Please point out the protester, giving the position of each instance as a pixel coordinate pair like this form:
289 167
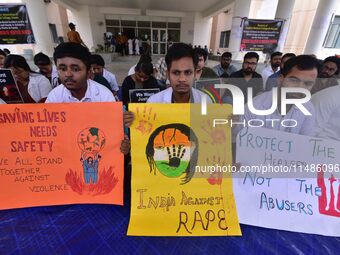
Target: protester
225 68
275 61
46 68
327 77
203 72
33 87
143 58
141 79
272 80
247 77
98 68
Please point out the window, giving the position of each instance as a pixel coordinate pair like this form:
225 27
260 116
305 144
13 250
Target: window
332 39
224 39
54 34
113 22
128 23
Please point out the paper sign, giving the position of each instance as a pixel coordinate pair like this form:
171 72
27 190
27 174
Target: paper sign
55 154
9 91
172 194
300 194
141 95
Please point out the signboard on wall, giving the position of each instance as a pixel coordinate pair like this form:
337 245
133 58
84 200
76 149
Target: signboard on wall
260 35
15 26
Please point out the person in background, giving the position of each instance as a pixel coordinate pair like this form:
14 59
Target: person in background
275 61
141 79
225 68
143 58
98 68
7 51
327 76
46 68
73 35
203 72
33 87
272 80
2 58
247 77
136 46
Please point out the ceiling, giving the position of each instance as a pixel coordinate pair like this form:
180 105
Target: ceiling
166 5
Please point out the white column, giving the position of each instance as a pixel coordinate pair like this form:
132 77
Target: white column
284 11
241 9
39 22
320 25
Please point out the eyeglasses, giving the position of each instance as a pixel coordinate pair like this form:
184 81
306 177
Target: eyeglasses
250 63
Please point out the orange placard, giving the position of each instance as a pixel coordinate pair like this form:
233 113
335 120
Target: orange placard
54 154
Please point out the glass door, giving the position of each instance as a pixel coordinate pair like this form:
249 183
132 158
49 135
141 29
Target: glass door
159 41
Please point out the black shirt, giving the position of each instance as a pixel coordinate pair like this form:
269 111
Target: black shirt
256 82
129 83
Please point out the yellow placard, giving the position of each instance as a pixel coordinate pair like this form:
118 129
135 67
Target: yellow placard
173 193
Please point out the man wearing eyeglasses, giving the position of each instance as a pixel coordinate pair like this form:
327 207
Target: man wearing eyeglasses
247 77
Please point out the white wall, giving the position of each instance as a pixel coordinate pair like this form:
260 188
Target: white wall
187 28
202 30
263 9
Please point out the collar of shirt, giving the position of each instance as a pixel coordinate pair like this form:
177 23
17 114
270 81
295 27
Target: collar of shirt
90 93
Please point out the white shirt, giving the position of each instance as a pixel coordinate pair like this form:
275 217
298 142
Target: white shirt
2 101
268 71
38 86
327 112
54 76
132 70
95 93
305 124
111 78
165 96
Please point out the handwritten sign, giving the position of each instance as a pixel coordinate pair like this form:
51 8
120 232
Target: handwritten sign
141 95
53 154
288 182
9 91
172 194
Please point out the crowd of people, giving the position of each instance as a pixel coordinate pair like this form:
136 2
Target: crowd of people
79 76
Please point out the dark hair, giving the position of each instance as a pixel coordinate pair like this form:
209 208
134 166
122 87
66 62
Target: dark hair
178 51
201 52
41 59
97 60
187 131
144 67
335 60
71 25
275 54
73 50
288 55
145 58
17 61
3 53
7 51
227 55
251 55
302 62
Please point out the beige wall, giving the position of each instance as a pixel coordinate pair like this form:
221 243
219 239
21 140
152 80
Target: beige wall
300 25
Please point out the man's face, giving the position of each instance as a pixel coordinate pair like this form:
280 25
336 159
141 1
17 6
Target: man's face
97 69
45 69
298 79
249 65
225 62
182 75
328 69
201 63
275 62
72 73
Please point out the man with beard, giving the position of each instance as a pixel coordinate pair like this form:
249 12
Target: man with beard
275 61
298 72
225 68
203 72
326 79
247 77
272 80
